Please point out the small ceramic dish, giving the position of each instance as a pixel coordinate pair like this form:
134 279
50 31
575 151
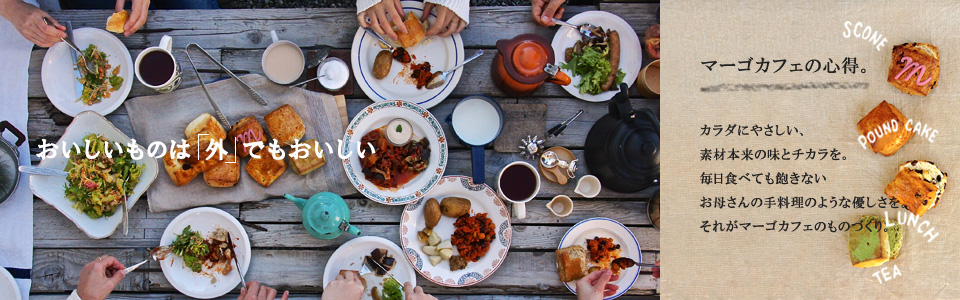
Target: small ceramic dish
51 188
588 186
560 206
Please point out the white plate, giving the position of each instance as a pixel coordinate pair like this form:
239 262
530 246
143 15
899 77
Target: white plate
424 125
442 53
50 188
482 200
8 286
204 220
350 257
631 58
59 82
603 227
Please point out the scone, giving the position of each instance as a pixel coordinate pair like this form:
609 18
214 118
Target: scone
869 245
205 125
915 68
917 186
306 164
117 20
285 125
181 172
571 263
224 174
247 130
415 32
266 169
877 125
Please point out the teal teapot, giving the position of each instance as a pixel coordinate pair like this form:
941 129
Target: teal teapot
325 215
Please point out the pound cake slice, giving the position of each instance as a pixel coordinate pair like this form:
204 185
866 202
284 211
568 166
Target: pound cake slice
869 245
879 119
918 186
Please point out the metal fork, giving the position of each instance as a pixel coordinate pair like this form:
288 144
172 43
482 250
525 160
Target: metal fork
126 212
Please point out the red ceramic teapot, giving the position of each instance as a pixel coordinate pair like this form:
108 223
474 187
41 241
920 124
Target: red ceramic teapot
523 63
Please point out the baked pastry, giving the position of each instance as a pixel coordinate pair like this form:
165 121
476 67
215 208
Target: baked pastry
205 124
285 125
869 245
895 239
247 130
117 20
415 32
571 263
914 59
226 173
306 164
265 169
878 124
180 171
917 186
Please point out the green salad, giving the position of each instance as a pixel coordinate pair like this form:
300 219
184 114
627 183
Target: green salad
191 247
391 290
96 185
99 84
593 67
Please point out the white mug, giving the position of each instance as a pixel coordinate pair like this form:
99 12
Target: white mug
166 46
281 67
519 205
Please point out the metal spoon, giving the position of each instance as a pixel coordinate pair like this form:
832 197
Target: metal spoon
90 66
550 161
441 78
377 35
308 80
585 29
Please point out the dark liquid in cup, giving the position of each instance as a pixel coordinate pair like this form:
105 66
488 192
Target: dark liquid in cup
156 68
518 182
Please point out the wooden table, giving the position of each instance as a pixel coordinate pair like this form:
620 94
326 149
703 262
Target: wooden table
286 256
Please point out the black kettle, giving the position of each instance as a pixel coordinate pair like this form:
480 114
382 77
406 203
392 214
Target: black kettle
623 147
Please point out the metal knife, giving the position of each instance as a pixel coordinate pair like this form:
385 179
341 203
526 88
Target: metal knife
235 259
73 56
134 267
364 269
315 61
556 130
256 96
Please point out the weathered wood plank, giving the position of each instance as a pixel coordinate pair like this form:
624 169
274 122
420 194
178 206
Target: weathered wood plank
209 71
525 273
365 211
476 77
232 296
540 231
46 122
638 15
250 28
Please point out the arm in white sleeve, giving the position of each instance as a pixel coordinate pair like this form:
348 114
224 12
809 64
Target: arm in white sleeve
74 296
459 7
363 5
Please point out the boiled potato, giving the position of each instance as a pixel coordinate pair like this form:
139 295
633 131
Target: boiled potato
434 259
454 207
431 213
382 64
430 250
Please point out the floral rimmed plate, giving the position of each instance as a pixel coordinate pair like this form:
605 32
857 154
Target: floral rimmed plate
482 200
424 124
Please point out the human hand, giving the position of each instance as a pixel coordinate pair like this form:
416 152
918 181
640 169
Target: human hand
416 293
343 287
656 271
99 277
378 15
544 10
28 20
447 22
138 15
255 291
596 286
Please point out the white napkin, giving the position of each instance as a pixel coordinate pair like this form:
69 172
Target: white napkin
16 238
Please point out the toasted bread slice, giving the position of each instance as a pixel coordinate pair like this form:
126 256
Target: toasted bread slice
571 263
915 68
117 20
415 32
